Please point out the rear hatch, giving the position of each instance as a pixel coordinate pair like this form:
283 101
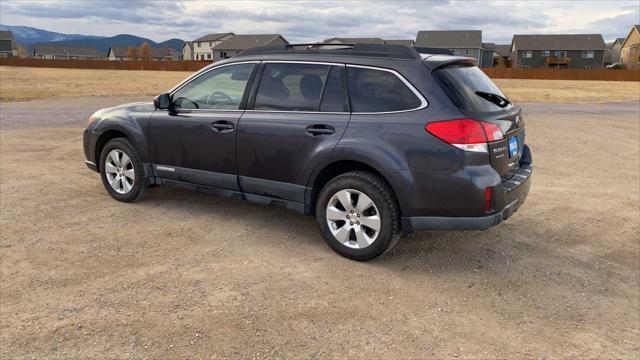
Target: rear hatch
479 98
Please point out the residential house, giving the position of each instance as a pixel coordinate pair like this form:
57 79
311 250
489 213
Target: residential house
118 53
164 54
612 52
187 50
488 52
338 40
459 42
239 43
502 56
495 55
66 52
567 51
203 46
156 54
6 44
630 49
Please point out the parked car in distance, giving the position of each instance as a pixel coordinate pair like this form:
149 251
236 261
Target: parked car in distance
375 141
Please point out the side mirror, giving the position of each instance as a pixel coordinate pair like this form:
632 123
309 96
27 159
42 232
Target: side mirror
162 102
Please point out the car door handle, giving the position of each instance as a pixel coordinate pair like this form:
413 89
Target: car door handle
222 126
320 130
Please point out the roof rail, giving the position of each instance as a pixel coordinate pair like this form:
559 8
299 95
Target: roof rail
367 50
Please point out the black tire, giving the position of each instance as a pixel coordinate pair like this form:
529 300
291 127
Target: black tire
384 199
140 182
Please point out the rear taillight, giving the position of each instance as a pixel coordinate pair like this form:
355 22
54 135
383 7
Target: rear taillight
465 134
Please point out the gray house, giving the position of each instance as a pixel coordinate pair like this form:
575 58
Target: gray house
66 52
488 52
239 43
202 47
459 42
495 55
570 51
6 44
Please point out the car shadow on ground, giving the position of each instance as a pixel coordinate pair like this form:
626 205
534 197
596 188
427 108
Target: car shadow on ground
431 251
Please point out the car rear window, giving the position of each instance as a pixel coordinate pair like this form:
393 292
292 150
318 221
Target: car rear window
470 89
372 90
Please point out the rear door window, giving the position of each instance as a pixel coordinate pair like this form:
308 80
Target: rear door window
291 87
470 89
372 90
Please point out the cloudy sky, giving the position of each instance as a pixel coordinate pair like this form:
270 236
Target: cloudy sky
301 21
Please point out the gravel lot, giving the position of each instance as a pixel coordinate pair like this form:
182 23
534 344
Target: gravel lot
188 275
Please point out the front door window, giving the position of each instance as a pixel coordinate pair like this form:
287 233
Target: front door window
220 89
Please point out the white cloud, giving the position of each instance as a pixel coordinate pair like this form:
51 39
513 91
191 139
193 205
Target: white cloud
301 21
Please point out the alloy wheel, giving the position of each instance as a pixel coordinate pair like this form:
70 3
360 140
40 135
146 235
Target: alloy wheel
353 218
119 171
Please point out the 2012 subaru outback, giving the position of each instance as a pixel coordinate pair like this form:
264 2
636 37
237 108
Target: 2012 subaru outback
375 141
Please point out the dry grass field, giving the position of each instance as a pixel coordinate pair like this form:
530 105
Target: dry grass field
23 83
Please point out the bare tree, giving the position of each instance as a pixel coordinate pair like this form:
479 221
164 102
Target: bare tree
132 54
144 51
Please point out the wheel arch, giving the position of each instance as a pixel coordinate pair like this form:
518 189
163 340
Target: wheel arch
329 171
107 136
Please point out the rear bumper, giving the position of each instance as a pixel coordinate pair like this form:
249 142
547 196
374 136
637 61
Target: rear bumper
511 193
411 224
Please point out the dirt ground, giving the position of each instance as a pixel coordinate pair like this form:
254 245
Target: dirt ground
24 83
187 275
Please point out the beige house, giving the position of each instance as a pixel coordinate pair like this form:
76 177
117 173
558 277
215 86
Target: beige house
187 50
202 47
630 50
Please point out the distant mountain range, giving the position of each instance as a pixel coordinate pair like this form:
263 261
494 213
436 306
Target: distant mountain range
28 37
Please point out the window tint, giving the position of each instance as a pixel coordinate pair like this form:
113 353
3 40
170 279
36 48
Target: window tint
291 87
463 83
378 91
217 89
334 98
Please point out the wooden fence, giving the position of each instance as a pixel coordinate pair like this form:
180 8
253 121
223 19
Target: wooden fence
563 74
499 73
108 64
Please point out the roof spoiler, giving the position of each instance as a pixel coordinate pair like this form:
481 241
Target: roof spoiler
435 62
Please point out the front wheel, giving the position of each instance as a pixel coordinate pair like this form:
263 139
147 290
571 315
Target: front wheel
358 215
121 171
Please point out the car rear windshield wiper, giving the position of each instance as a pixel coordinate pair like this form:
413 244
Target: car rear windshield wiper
494 98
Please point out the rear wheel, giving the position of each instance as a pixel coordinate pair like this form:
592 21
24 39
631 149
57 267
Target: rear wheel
121 171
358 215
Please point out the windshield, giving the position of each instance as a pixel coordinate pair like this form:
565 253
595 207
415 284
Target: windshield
470 89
